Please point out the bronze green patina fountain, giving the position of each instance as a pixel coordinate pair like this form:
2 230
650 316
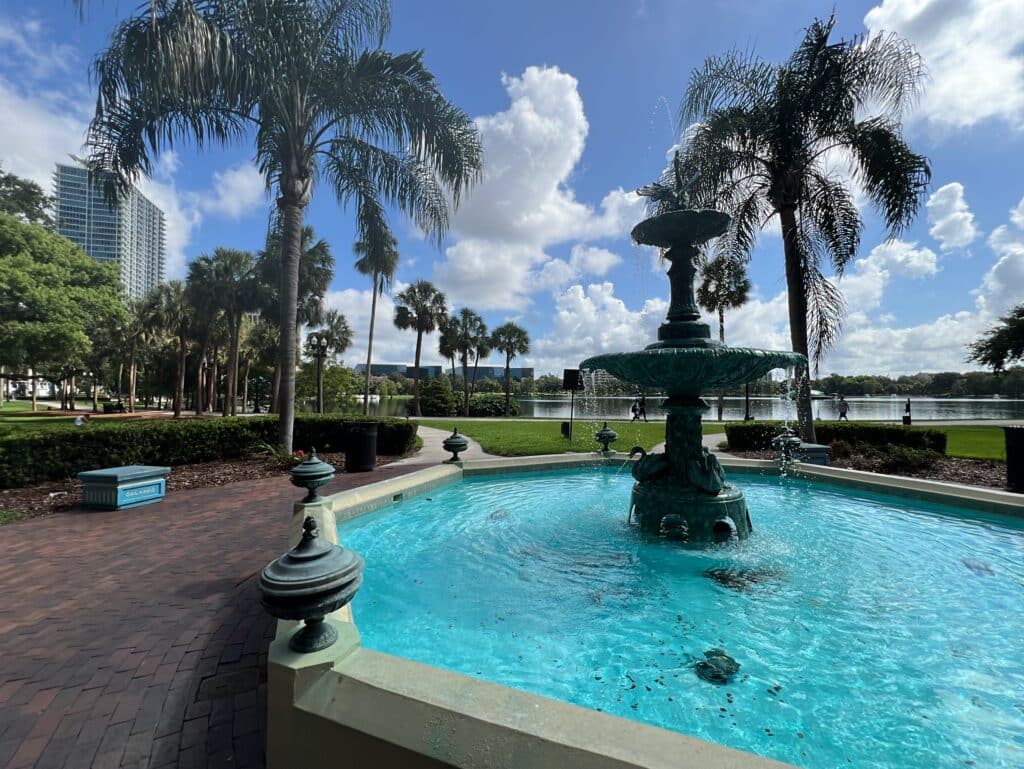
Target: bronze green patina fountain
683 492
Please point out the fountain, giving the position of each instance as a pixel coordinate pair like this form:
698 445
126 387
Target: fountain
683 492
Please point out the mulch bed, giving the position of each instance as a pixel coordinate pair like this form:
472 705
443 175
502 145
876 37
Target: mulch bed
972 472
55 496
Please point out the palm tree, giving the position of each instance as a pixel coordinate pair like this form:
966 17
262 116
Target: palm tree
316 270
420 307
206 314
764 136
169 306
325 101
378 258
335 337
470 332
235 290
261 344
725 286
447 341
136 332
512 340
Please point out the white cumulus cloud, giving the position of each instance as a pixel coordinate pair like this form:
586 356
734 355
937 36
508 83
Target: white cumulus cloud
951 220
974 51
236 192
524 203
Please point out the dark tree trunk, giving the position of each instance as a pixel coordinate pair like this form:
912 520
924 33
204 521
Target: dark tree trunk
416 376
211 385
369 350
245 386
465 384
179 377
200 390
797 319
291 236
230 406
721 338
132 376
508 385
275 389
71 393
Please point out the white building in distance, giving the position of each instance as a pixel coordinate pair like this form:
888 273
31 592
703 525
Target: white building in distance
131 234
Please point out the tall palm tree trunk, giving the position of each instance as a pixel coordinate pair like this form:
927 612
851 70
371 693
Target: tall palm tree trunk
465 384
132 376
120 377
453 372
416 376
369 348
95 395
236 332
200 381
291 236
211 384
721 338
245 386
71 393
179 378
35 388
797 319
476 365
275 390
508 385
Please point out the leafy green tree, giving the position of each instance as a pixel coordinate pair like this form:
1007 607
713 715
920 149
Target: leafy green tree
761 147
1003 343
325 100
447 341
420 307
437 398
206 324
548 384
53 300
335 336
378 258
724 286
511 340
341 385
25 200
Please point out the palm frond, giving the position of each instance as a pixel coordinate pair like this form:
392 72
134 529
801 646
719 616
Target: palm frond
829 208
737 79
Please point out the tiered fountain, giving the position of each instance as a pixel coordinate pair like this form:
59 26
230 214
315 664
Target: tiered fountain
683 492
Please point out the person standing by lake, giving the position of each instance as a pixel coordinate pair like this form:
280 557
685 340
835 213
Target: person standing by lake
844 409
643 407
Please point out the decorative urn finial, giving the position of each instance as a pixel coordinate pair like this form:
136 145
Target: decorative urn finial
605 436
311 474
455 443
308 582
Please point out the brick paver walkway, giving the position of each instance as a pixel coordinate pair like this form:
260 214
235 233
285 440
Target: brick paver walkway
135 638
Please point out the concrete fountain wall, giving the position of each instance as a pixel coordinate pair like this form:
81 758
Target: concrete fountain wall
351 705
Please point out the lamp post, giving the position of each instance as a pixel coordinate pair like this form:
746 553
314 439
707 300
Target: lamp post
318 346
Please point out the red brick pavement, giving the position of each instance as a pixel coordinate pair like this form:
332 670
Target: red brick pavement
135 638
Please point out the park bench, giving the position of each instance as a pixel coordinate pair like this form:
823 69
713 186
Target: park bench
118 488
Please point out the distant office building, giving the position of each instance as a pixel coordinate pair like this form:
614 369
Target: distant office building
516 374
130 234
387 369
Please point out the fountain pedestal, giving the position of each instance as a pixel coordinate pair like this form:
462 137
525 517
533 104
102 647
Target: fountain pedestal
683 493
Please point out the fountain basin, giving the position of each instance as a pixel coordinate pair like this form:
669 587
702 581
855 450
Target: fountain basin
690 371
681 228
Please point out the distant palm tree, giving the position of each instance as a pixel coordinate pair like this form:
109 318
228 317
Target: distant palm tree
420 307
760 148
169 306
378 258
447 341
512 340
136 333
325 102
470 337
724 286
236 291
338 337
206 316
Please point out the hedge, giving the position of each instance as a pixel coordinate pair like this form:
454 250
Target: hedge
755 436
28 457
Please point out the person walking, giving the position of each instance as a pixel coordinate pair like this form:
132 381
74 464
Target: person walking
635 410
643 407
844 409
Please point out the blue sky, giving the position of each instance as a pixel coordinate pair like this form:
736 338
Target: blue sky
576 103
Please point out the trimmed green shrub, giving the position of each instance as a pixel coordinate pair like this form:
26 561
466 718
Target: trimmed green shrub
755 436
488 405
436 398
28 457
841 450
902 459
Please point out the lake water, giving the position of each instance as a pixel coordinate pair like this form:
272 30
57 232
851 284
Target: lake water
861 409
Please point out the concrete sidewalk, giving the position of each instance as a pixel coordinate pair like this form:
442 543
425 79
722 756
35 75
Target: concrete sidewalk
433 452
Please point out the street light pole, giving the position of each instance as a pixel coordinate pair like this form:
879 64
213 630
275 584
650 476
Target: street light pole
318 345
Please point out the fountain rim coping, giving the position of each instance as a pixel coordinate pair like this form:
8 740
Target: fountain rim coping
482 712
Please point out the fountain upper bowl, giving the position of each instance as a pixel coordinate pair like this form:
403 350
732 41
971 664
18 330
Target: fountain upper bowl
681 228
690 371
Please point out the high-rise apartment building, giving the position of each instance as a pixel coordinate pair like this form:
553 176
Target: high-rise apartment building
131 233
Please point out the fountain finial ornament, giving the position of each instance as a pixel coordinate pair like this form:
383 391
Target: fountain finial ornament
687 481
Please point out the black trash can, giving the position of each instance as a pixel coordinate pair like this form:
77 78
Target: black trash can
1015 457
360 446
906 419
566 429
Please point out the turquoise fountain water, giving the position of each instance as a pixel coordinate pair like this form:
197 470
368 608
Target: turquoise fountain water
870 631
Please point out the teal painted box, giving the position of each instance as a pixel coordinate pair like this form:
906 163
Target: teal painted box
119 488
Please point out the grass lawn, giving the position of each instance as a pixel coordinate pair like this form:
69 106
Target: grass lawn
517 438
975 441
